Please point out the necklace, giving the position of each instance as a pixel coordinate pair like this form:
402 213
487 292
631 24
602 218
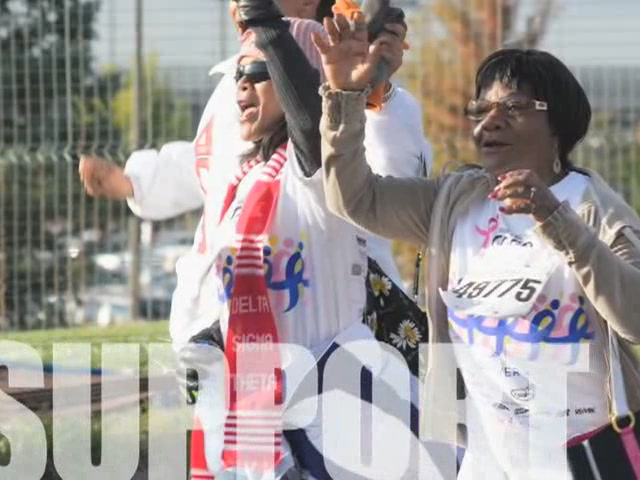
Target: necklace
389 95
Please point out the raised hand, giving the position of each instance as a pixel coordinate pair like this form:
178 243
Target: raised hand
102 178
348 60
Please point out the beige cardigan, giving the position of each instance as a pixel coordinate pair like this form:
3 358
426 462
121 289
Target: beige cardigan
599 242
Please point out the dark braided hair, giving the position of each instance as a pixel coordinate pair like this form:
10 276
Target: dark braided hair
550 81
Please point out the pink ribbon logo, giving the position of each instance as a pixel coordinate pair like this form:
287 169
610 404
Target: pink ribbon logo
493 226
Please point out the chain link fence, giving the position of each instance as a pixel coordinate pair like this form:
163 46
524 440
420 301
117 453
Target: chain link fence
68 85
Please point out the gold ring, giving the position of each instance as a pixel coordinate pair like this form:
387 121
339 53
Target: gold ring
617 428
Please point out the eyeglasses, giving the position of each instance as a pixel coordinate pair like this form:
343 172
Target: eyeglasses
477 110
254 72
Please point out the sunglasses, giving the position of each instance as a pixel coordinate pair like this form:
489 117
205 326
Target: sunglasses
478 110
254 72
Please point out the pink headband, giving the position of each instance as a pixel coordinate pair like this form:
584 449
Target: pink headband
301 30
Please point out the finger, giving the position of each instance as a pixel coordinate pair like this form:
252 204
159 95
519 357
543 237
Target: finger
375 49
89 189
382 47
392 44
87 167
82 165
518 191
359 22
343 27
374 55
332 31
321 44
360 27
396 29
517 178
387 53
513 207
388 38
382 41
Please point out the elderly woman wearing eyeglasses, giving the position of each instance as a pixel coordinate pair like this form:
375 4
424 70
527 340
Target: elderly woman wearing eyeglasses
532 264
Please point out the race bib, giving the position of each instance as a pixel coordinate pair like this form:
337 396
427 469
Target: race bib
504 282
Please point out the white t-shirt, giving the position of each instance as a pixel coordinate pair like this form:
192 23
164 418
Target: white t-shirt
513 366
315 265
395 146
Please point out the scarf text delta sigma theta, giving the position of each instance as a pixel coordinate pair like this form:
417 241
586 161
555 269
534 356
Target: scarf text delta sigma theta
253 428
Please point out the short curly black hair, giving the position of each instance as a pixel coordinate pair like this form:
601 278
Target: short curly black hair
550 81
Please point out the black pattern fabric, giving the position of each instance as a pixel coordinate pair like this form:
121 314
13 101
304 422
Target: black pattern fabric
603 455
393 317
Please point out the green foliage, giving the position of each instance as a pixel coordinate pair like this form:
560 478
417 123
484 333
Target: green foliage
42 42
55 105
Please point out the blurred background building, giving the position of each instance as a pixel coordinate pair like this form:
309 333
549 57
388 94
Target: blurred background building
68 85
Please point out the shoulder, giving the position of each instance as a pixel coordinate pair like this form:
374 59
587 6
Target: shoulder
403 102
401 113
406 98
605 208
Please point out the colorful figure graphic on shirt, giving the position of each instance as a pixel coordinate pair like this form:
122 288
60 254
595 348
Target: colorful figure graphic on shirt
285 273
551 322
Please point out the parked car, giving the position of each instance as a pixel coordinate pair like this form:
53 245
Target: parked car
109 302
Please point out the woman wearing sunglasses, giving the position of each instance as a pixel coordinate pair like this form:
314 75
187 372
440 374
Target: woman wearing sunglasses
532 267
283 270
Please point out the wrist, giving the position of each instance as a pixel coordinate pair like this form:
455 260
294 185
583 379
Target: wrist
339 87
127 187
543 212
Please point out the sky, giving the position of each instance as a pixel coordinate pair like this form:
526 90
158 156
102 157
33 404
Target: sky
596 32
181 32
196 33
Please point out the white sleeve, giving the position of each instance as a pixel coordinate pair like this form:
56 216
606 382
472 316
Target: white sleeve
395 140
165 183
425 151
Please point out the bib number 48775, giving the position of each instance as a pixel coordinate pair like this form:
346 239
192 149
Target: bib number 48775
521 289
